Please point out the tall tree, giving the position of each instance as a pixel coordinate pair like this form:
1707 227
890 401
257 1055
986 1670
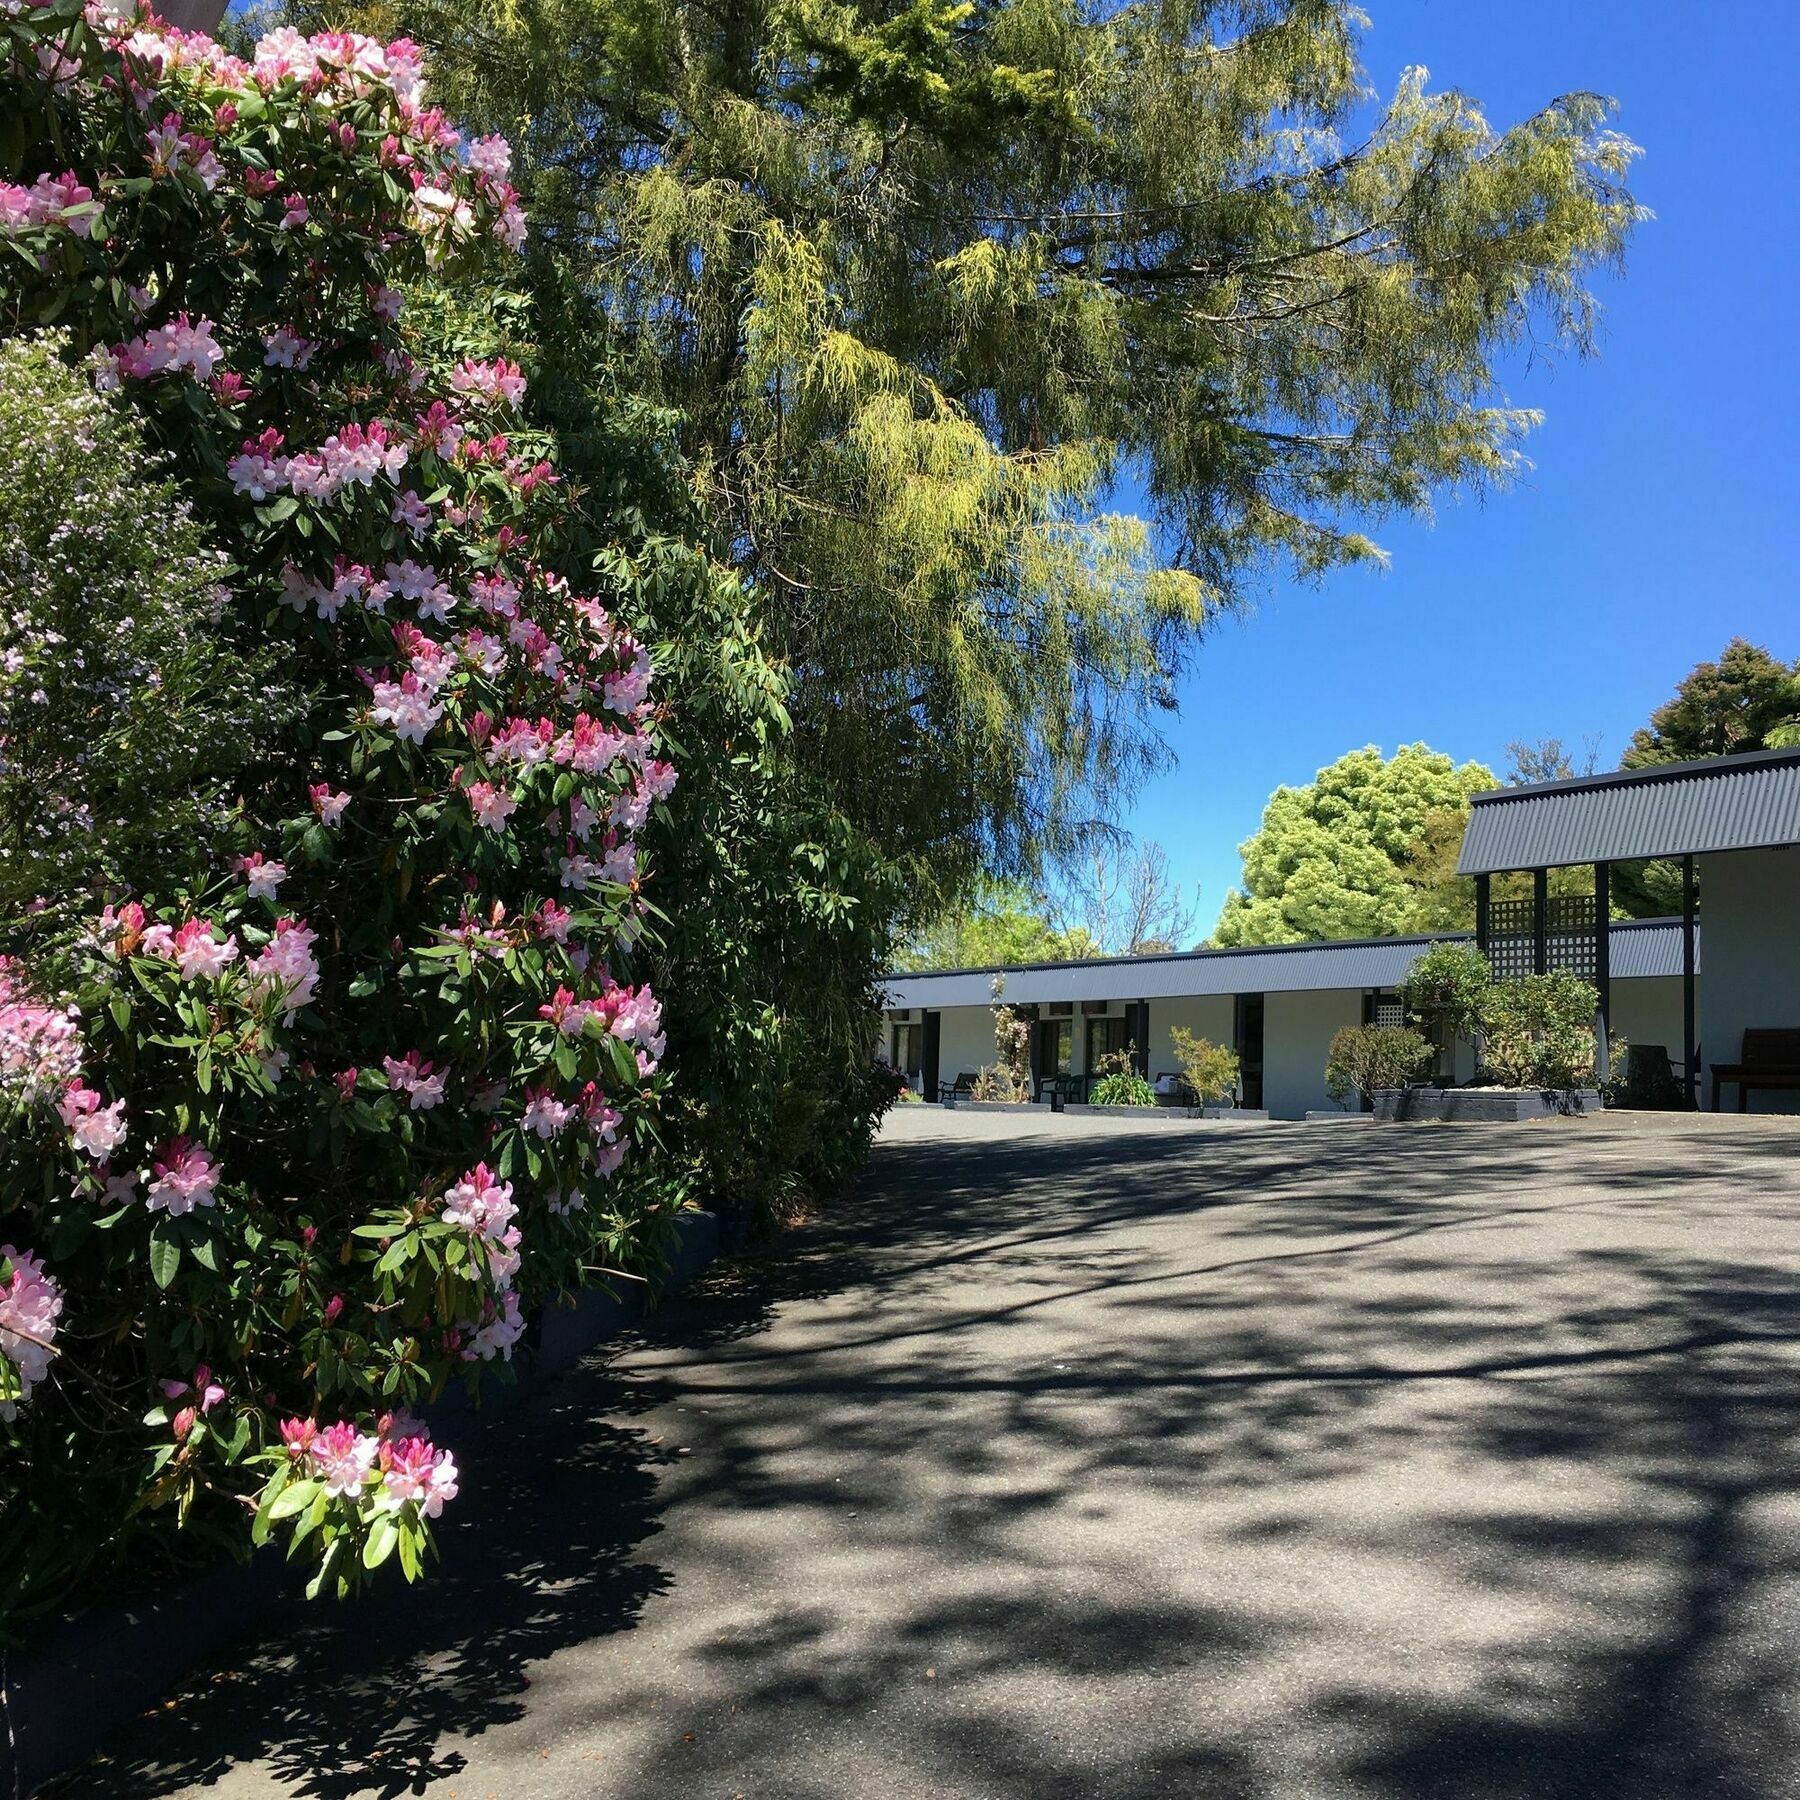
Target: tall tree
1364 850
1123 899
925 282
1002 923
1747 700
1531 760
1724 708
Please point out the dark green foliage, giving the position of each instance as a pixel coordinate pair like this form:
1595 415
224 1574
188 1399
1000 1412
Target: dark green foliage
1364 1058
1538 1032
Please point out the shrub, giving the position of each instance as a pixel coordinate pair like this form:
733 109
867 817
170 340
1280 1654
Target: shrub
1124 1087
1538 1032
1210 1070
330 1100
124 715
1443 991
1364 1058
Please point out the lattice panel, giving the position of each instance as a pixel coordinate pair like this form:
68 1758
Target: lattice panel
1569 939
1512 939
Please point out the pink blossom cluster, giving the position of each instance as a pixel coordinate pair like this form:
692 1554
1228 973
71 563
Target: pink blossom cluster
51 200
484 1207
178 345
173 152
422 1082
499 381
286 968
30 1304
40 1046
184 1175
96 1128
382 1470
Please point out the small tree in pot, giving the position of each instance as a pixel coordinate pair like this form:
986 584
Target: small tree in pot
1538 1032
1443 992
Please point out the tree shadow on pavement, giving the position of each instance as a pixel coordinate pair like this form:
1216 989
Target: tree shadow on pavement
1420 1463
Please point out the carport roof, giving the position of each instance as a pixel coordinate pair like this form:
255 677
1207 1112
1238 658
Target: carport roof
1639 948
1749 802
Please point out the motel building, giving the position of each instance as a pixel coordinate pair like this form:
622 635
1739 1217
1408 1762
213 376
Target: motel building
1731 825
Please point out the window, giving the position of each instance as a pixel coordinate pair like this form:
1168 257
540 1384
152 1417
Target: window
1104 1038
1055 1046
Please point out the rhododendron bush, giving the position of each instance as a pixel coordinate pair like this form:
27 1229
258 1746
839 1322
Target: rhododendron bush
302 1120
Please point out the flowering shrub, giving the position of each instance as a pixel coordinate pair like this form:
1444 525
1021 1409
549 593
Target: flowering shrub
124 715
308 1119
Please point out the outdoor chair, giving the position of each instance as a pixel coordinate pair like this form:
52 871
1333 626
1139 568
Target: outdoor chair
964 1085
1049 1086
1769 1059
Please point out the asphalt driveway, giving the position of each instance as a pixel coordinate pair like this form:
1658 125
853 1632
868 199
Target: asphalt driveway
1080 1458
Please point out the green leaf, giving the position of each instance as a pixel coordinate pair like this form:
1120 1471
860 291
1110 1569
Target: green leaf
292 1497
378 1546
165 1259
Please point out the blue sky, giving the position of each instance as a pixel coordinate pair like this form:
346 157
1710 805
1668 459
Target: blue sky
1660 517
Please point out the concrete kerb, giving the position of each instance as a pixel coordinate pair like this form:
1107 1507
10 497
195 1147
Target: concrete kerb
93 1670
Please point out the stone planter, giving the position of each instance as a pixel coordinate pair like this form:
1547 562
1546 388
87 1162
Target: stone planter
1473 1106
1170 1114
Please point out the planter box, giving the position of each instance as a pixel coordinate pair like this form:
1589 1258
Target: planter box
1470 1106
1171 1114
1337 1116
1005 1106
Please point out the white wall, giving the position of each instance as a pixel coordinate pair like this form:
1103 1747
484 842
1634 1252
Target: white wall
1297 1032
967 1041
1206 1015
1750 939
1648 1011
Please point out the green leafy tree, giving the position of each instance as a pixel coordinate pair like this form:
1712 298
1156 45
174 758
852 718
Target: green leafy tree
1721 708
999 926
924 283
1747 700
1335 858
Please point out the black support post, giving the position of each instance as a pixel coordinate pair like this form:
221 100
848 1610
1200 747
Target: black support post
1484 888
1689 1047
1540 921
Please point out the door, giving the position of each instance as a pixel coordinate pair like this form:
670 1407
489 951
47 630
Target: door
928 1059
1249 1033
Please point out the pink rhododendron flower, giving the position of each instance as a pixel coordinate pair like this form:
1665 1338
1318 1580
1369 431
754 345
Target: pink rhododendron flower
329 806
199 955
98 1130
295 212
285 349
40 1046
480 1202
419 1080
341 1458
408 705
286 968
544 1113
259 469
497 380
202 1385
492 806
185 1177
412 1469
262 876
30 1304
551 922
299 1436
501 1326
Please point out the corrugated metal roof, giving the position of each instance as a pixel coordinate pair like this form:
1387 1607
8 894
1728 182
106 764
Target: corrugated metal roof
1747 802
1649 947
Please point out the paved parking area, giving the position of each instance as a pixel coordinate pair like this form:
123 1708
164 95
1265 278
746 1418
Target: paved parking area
1078 1457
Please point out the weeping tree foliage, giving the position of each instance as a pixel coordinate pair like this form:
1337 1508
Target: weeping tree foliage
930 284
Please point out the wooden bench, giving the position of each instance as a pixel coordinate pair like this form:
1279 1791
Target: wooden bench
964 1084
1069 1086
1770 1059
